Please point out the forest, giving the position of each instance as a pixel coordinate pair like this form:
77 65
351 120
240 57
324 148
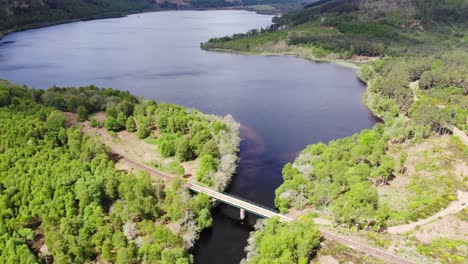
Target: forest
18 15
413 56
63 200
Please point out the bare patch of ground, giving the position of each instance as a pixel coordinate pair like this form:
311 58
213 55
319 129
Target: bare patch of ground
295 214
449 226
129 144
332 252
326 260
190 170
124 165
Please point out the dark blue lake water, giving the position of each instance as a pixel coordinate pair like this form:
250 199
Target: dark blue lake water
283 103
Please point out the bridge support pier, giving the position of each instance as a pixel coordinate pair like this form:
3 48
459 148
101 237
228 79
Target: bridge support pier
242 214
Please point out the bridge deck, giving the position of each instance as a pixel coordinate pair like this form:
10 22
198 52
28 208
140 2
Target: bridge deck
225 198
239 203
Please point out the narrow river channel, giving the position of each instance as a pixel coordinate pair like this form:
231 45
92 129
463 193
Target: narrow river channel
283 103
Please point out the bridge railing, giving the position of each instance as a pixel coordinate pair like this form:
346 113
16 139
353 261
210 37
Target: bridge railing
250 202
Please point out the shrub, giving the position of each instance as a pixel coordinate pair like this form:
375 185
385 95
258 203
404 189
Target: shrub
130 124
112 124
94 123
82 113
55 121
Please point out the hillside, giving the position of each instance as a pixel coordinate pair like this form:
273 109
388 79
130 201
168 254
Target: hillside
359 27
413 55
24 14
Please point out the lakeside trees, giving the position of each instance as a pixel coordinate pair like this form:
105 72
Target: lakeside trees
348 28
185 134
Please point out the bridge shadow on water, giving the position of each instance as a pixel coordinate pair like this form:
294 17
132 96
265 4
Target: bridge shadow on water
226 231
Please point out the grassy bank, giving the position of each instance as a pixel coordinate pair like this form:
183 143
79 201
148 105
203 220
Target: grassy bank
296 52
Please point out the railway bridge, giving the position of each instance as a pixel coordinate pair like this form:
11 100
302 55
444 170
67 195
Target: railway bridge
261 211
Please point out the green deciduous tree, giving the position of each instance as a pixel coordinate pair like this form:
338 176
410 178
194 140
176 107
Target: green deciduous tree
143 127
82 113
184 151
167 145
357 206
209 148
208 164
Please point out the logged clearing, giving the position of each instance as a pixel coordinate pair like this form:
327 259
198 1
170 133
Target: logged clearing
120 142
431 175
127 143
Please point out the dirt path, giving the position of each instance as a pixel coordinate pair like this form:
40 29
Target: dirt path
414 87
453 208
296 214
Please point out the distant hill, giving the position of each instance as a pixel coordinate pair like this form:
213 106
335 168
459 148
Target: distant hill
392 12
24 14
363 27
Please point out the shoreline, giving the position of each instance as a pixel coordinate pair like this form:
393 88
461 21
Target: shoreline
110 15
345 63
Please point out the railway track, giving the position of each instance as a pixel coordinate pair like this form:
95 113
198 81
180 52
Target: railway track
364 248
